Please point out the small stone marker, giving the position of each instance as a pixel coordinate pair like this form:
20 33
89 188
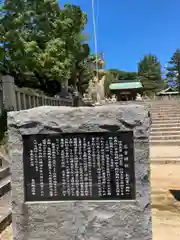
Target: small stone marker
80 173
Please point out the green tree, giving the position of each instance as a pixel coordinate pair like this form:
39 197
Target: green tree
174 69
108 80
116 73
40 42
149 72
82 72
131 76
123 75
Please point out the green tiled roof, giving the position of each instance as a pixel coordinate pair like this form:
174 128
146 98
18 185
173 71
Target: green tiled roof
168 91
125 85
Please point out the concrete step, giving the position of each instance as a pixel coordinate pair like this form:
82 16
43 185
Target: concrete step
165 158
168 159
165 125
163 102
5 185
168 114
155 102
167 110
163 115
161 142
4 172
165 118
165 133
167 128
166 121
165 162
164 110
167 138
5 211
162 107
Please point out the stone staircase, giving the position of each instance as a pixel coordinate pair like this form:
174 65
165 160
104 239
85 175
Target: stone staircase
165 129
5 194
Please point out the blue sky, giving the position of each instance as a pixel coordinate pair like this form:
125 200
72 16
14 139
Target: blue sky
129 29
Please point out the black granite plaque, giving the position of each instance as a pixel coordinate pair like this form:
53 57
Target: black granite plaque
79 166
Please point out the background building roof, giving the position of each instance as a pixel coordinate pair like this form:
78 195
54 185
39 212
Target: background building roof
125 85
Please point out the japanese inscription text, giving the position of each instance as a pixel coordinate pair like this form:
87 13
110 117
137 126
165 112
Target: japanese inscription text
79 166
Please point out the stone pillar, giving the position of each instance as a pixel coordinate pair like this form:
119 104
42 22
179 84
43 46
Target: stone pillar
120 211
9 95
64 88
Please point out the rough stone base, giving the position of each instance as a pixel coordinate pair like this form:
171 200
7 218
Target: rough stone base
115 220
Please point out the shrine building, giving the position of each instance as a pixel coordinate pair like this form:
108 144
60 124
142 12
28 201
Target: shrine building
126 90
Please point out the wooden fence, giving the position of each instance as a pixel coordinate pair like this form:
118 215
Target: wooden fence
12 97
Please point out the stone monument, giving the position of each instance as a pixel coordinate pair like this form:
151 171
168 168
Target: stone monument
80 173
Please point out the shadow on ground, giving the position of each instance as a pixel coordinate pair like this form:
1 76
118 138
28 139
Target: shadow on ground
176 194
